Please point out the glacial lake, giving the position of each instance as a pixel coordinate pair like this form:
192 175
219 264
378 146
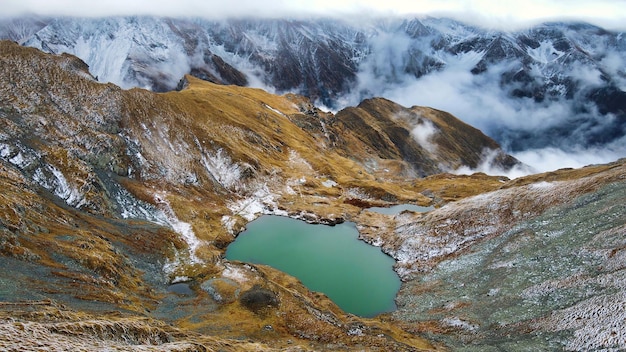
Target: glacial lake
358 277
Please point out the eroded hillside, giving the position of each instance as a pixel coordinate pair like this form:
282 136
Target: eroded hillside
110 196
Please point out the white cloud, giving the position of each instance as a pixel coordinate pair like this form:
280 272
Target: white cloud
494 13
615 64
586 75
480 101
424 133
546 159
489 166
549 159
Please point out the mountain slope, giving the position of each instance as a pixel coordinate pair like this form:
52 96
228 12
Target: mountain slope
428 139
137 51
534 265
553 281
117 206
555 85
111 195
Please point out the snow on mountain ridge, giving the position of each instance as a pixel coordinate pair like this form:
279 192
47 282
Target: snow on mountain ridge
117 49
566 77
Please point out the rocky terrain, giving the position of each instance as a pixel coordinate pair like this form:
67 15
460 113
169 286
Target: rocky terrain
117 207
533 265
553 85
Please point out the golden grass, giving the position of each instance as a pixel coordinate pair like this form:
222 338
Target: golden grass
450 187
275 142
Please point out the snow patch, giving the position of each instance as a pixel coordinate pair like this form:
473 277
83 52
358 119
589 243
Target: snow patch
326 134
355 331
221 167
274 110
357 193
178 279
18 160
297 161
260 202
235 274
5 151
18 155
377 242
133 208
46 175
289 190
52 179
329 183
229 223
493 291
459 323
545 53
182 228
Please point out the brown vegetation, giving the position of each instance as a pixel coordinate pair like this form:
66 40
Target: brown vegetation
191 168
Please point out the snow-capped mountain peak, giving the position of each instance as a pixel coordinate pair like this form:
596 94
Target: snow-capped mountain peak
554 85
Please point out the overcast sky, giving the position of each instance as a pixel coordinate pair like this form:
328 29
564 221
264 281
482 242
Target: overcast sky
610 14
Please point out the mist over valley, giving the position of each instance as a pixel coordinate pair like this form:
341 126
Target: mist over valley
552 94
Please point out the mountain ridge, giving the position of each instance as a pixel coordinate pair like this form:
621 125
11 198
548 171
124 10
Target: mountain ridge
554 85
110 196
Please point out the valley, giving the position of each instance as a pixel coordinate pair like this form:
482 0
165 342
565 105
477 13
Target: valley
110 196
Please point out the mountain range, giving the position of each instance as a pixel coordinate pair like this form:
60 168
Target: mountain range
117 202
555 85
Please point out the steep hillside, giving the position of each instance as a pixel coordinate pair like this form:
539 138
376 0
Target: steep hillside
431 141
111 195
534 265
117 206
554 85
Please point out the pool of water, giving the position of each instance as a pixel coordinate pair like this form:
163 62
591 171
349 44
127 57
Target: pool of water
397 209
181 288
358 277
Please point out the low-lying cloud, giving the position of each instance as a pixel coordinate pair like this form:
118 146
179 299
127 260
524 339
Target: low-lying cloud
548 159
547 135
499 14
423 130
490 167
424 133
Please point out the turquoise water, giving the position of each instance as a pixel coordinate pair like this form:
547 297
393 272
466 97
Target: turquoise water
358 277
397 209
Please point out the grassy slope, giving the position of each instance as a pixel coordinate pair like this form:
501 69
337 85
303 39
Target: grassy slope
173 152
176 154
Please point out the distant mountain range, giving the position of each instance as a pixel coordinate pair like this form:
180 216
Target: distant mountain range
555 85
